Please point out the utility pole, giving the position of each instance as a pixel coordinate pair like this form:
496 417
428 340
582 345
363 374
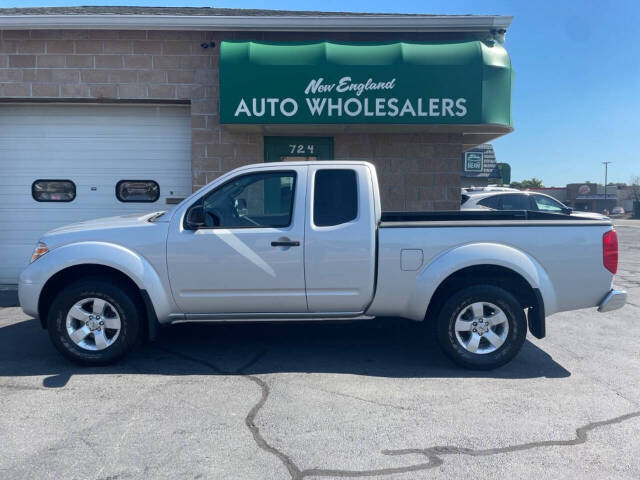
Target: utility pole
606 168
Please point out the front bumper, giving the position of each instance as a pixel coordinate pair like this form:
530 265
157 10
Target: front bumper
28 294
614 300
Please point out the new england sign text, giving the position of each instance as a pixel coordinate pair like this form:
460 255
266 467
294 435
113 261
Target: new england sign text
348 98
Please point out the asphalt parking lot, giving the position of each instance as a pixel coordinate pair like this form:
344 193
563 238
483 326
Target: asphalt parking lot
329 400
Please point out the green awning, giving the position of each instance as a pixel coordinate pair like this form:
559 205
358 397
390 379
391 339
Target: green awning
465 83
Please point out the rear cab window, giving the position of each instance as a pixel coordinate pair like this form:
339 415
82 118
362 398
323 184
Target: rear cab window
335 197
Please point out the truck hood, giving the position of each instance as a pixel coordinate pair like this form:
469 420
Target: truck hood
134 232
106 223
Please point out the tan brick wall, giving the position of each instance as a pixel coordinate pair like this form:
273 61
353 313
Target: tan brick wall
417 172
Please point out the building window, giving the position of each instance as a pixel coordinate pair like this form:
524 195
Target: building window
335 198
146 191
53 190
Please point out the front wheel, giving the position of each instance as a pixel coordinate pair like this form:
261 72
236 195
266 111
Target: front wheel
93 322
481 327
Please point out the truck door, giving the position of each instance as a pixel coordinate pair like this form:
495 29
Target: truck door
339 238
247 257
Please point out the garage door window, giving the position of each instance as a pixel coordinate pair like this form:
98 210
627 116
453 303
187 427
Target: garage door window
137 191
53 190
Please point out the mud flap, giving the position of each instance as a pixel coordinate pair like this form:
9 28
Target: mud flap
536 317
152 320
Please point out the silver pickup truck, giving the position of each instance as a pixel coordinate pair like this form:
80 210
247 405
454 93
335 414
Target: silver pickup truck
308 241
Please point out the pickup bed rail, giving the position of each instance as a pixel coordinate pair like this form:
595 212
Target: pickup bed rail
482 217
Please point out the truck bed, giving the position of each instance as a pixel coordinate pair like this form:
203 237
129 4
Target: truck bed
481 217
560 252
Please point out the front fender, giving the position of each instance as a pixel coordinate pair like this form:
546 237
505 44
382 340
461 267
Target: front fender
127 261
474 254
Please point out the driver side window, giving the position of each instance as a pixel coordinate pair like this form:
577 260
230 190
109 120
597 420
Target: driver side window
253 200
546 204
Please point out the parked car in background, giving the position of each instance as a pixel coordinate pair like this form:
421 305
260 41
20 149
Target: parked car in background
615 211
512 199
489 188
306 241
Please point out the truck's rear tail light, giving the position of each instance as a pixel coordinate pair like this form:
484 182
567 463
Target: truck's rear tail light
610 251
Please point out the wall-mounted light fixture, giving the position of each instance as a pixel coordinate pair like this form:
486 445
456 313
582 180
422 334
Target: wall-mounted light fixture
498 35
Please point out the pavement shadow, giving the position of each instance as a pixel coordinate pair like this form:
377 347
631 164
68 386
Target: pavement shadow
382 348
8 298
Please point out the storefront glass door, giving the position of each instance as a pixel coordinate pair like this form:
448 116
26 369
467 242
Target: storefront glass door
293 149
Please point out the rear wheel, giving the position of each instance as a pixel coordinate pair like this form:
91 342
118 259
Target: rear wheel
481 327
93 322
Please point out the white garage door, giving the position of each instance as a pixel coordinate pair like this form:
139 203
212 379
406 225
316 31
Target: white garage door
95 147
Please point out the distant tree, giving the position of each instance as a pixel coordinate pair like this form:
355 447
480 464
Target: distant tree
635 188
505 173
531 183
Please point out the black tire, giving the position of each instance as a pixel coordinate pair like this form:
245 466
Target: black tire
120 299
445 327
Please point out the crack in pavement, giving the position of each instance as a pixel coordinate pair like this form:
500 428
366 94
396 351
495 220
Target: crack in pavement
580 438
249 420
434 454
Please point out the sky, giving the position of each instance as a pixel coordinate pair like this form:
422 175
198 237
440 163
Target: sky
576 98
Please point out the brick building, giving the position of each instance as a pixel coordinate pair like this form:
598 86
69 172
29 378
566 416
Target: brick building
105 107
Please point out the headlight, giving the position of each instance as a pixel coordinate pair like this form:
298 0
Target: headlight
39 251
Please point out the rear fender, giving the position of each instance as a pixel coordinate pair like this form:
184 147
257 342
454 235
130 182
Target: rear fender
475 254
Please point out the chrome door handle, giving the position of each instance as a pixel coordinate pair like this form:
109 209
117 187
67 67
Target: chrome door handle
285 243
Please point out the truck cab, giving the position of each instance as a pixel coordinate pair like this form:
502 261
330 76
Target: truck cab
277 240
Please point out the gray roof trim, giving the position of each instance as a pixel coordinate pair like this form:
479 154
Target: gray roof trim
281 22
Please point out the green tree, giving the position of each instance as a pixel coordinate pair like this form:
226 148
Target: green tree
531 183
635 190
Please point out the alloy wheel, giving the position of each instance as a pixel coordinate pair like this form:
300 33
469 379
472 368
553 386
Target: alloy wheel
93 324
481 328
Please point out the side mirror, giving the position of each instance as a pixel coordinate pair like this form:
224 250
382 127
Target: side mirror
567 210
195 217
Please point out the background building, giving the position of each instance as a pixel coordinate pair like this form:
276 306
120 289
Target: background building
479 167
102 108
559 193
591 196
